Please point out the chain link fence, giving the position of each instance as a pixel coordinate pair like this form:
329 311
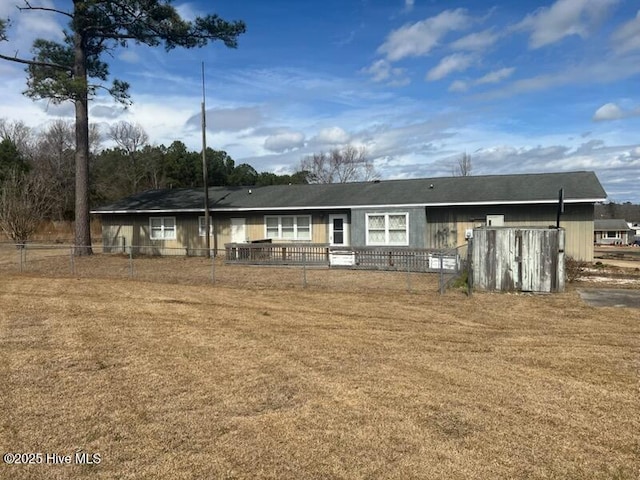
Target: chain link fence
175 265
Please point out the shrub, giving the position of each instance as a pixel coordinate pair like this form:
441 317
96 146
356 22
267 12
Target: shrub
573 269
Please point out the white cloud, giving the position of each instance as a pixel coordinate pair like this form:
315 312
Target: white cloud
609 111
627 37
564 18
40 24
284 141
229 119
106 111
63 109
187 11
399 81
476 41
165 118
8 7
459 86
606 71
458 62
382 71
26 26
420 38
496 76
408 5
331 136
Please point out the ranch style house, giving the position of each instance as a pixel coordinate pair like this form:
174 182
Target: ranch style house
612 231
413 213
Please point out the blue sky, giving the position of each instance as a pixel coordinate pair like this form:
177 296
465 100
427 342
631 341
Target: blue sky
521 86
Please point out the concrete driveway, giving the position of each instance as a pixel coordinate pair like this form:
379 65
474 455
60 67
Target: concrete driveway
611 297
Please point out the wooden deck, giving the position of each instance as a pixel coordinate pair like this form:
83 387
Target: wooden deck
367 258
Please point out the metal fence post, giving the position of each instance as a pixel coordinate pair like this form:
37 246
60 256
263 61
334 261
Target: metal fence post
304 270
470 267
72 261
130 261
441 273
408 256
22 256
213 268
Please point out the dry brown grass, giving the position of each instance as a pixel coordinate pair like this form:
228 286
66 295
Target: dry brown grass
179 381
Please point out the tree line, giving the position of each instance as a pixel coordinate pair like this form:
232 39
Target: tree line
37 170
132 165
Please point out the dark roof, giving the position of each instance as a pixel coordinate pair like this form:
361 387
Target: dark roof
440 191
611 224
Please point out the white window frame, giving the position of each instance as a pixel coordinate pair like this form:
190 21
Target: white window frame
608 234
387 230
171 231
201 227
296 230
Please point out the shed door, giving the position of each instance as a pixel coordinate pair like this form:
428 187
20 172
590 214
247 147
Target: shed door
238 230
338 230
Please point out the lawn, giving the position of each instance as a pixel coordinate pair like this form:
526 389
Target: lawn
180 381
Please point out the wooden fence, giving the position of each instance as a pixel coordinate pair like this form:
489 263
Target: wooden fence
366 258
277 253
524 259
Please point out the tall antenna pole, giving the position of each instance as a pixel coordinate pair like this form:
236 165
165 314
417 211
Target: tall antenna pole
205 174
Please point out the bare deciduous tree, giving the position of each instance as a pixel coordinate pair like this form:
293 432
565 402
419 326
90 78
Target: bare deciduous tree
20 134
131 138
53 156
25 201
350 164
464 167
128 136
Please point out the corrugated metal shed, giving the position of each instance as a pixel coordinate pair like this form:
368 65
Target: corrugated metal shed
518 259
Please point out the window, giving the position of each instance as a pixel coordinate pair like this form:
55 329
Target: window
201 226
288 227
387 229
162 228
611 234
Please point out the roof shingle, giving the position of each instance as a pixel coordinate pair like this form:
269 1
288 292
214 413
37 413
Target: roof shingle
489 189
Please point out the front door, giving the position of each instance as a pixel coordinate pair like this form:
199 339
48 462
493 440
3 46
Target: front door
338 230
238 230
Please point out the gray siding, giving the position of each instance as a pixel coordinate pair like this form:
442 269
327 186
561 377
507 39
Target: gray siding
417 224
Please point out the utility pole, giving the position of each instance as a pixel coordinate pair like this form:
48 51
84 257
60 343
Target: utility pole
205 174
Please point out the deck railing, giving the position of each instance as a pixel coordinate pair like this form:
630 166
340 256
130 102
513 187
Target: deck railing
277 253
366 258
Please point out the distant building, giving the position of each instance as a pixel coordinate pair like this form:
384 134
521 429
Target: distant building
612 232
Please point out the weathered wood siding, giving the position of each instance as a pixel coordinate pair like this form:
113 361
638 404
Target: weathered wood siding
133 230
256 229
508 259
446 226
